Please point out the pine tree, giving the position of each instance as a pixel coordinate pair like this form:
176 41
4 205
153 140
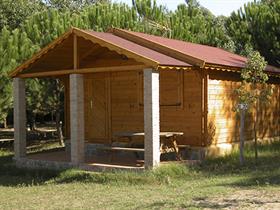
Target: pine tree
257 26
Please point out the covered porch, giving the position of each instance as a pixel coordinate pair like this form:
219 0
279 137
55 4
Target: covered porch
87 63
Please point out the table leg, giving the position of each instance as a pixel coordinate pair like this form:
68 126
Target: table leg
130 144
176 148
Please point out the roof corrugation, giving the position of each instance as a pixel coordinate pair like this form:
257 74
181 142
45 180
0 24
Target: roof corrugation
211 55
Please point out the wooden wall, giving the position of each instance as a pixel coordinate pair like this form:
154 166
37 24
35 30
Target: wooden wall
114 103
223 122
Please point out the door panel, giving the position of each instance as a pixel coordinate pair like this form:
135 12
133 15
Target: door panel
96 108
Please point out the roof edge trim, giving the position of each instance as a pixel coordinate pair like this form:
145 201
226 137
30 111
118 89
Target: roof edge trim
234 69
163 67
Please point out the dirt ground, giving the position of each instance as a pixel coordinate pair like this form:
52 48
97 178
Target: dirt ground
243 199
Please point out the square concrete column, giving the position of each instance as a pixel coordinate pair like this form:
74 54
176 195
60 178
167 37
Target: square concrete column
19 118
151 118
77 118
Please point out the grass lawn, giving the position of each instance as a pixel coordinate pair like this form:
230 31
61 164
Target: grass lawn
215 184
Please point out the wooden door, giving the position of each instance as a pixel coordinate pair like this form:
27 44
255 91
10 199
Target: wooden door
96 108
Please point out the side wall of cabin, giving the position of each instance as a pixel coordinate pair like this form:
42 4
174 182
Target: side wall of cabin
223 122
114 103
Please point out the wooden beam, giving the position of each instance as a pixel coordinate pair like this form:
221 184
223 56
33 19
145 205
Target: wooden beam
116 48
95 48
159 47
82 71
75 52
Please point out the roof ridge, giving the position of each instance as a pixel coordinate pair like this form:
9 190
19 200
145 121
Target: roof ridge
178 40
177 54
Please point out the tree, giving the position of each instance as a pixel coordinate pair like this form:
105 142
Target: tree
53 95
251 93
6 99
14 48
14 13
35 102
73 5
256 26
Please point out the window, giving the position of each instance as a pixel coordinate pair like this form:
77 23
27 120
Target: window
171 88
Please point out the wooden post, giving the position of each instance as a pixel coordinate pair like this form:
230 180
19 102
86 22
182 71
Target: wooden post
151 118
204 95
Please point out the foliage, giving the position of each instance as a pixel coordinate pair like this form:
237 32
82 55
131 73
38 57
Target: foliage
15 47
73 5
252 75
14 13
254 69
257 26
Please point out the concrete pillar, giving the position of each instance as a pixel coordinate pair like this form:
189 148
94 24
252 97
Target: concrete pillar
19 118
77 118
151 118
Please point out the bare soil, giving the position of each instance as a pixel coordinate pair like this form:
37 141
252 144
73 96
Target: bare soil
243 199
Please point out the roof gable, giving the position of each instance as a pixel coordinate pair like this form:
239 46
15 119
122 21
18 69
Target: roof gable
147 56
147 50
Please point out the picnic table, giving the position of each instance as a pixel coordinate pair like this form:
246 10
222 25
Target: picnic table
168 140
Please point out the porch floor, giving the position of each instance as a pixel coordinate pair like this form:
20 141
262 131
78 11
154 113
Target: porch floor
99 160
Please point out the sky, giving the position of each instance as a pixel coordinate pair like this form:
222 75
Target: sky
217 7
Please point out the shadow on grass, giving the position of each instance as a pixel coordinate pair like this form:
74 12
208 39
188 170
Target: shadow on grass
10 175
266 171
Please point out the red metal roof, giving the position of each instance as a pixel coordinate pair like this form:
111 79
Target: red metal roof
138 49
211 55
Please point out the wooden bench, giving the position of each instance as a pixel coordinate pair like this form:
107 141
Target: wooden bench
127 149
6 140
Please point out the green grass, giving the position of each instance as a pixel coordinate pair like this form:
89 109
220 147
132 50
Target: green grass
172 186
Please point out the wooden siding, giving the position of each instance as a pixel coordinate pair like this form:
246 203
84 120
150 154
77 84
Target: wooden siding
113 103
223 122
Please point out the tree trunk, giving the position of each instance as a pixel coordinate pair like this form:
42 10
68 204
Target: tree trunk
255 133
34 127
242 128
32 123
5 123
59 128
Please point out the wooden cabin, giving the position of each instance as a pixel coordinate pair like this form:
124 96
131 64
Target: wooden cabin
111 86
